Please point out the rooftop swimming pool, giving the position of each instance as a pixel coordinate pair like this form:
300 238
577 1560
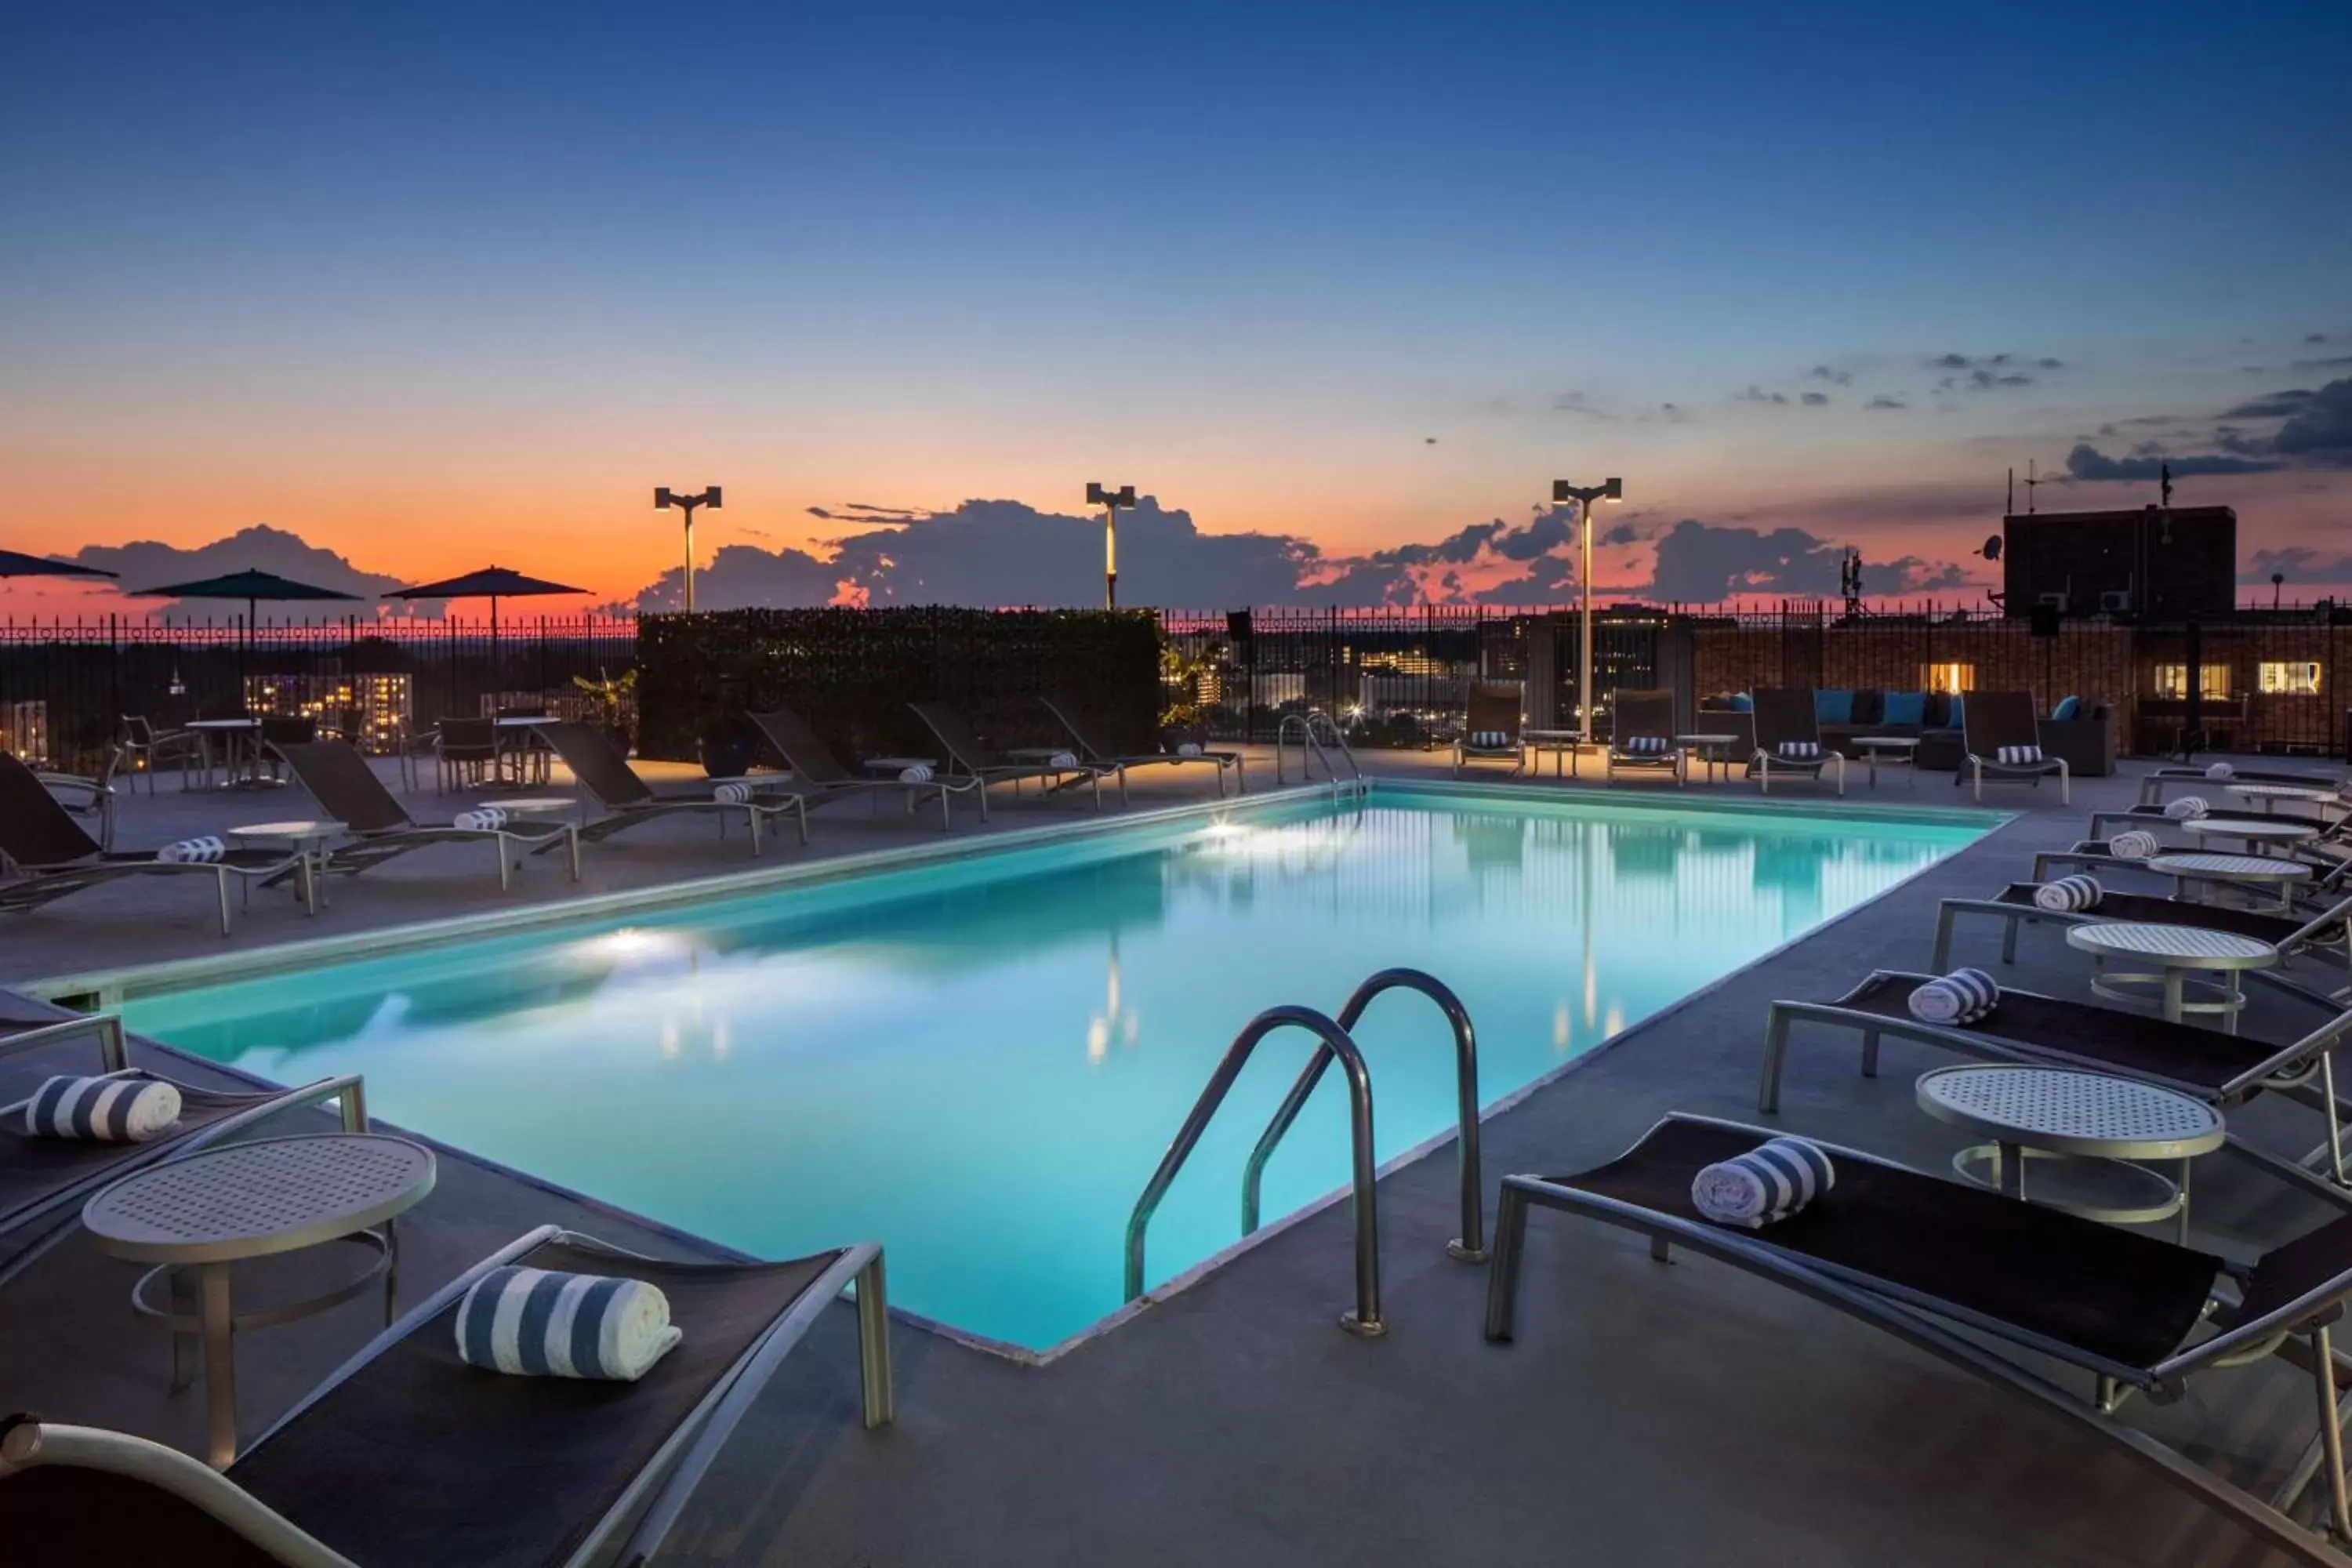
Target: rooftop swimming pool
978 1061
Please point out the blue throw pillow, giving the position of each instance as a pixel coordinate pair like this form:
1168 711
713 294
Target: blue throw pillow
1958 718
2067 708
1906 707
1742 703
1833 707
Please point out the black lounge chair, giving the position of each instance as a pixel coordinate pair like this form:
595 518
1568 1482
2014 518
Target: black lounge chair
605 775
973 761
1645 716
45 1181
1786 717
1496 709
54 856
1994 721
1089 748
2156 781
2220 1070
348 791
492 1471
819 777
1945 1267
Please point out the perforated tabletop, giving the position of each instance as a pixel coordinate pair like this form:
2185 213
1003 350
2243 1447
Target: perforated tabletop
251 1200
2070 1112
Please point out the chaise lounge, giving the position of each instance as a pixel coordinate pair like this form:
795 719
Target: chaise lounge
819 777
1642 737
978 762
1088 739
348 791
606 774
1789 739
2003 739
1492 733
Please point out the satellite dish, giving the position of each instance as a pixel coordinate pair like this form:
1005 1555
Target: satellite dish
1992 548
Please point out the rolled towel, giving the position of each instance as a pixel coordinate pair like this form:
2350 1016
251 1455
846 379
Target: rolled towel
2188 809
1189 749
1800 750
2068 894
481 819
733 794
919 773
2016 756
1768 1183
542 1324
2221 771
193 851
1963 997
2132 843
102 1109
1645 745
1064 759
1490 740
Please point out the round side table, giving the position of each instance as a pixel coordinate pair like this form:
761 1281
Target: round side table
2178 953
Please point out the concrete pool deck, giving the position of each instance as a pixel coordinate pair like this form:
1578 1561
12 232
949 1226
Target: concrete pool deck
1647 1414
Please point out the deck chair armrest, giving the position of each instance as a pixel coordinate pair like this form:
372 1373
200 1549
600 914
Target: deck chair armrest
107 1025
29 1443
345 1087
2291 1058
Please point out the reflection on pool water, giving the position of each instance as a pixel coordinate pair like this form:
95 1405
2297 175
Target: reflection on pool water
979 1062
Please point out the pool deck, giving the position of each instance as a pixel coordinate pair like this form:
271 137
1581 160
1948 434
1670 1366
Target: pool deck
1680 1415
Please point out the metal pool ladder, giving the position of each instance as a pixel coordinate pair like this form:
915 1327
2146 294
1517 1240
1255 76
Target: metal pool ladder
1335 1043
1313 727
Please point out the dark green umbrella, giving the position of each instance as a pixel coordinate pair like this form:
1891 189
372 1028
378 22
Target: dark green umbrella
491 583
14 563
250 586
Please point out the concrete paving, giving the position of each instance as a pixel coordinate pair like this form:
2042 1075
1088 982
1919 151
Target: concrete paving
1678 1415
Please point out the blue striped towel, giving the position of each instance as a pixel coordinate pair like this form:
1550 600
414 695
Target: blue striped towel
1646 746
1800 750
542 1324
126 1110
193 851
733 794
918 774
2068 894
2132 843
1490 740
1768 1183
1963 997
2221 771
2188 809
1063 759
481 819
2016 756
1189 749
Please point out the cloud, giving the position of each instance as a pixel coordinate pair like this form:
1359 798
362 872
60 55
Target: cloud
147 563
1814 399
1578 403
1623 534
1835 377
2271 406
2336 361
1983 380
2314 337
1756 394
1673 413
2298 563
1883 401
1701 563
1987 373
2086 462
2320 431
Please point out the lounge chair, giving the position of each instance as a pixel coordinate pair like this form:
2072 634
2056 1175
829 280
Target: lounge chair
348 792
2003 738
1088 741
485 1469
45 1181
2156 781
1944 1267
1788 737
1492 731
976 761
2222 1070
90 795
819 776
146 749
463 753
604 773
55 856
1642 736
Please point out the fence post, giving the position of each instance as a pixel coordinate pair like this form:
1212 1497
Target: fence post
2193 726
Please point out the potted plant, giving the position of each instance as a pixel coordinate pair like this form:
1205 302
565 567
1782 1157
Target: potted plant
725 743
611 693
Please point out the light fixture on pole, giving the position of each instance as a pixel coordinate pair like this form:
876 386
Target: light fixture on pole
1110 501
1608 489
663 499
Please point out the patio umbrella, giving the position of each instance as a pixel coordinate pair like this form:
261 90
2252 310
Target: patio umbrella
491 583
14 563
250 586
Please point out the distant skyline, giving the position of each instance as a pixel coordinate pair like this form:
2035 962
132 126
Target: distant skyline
1343 288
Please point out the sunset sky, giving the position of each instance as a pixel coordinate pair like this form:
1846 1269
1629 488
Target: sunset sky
433 286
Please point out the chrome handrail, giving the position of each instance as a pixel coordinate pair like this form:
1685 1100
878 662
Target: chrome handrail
1311 745
1366 1318
1470 1247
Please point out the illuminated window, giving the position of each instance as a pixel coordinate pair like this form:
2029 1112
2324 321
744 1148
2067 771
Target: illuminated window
1948 678
2172 681
2298 678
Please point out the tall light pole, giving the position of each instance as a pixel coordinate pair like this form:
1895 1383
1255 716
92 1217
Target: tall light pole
663 499
1110 501
1609 490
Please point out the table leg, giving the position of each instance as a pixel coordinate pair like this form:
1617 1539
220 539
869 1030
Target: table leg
1870 761
2013 1170
2172 981
391 1264
2183 1184
2237 1002
220 1363
183 1342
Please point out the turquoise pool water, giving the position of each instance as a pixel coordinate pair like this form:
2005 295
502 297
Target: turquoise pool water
979 1062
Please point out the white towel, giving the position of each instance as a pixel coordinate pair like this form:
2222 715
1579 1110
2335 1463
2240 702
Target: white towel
542 1324
919 773
2221 771
733 794
1768 1183
1800 750
2132 843
2016 756
2068 894
102 1109
1645 745
1189 749
481 819
1963 997
2188 809
193 851
1066 760
1490 740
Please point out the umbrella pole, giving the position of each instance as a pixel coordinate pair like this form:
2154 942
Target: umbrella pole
498 672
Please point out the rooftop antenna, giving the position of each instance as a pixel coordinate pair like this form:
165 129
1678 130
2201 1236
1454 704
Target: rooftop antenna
2031 481
2012 508
2164 475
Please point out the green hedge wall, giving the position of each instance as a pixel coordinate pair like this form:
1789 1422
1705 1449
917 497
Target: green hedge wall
851 673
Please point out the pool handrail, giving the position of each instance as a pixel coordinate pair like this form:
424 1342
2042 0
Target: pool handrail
1365 1321
1470 1247
1310 746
